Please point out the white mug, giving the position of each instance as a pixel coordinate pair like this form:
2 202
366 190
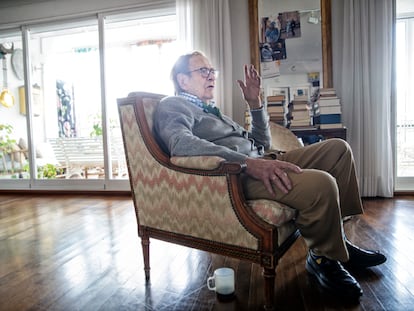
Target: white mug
223 280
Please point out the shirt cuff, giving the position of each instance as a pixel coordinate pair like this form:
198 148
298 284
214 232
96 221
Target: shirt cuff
258 109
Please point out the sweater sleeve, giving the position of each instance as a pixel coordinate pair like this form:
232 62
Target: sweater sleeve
260 128
174 121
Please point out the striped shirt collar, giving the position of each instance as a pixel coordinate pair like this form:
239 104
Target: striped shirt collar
208 108
195 100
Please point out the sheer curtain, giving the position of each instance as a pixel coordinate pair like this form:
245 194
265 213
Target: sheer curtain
205 26
362 38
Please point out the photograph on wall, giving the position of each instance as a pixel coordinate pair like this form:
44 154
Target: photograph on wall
299 91
273 51
289 25
272 46
270 69
314 78
270 29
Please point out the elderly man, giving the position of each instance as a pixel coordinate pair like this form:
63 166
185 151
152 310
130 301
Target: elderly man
318 180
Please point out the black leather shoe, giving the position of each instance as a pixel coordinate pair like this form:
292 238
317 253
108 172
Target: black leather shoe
361 258
332 277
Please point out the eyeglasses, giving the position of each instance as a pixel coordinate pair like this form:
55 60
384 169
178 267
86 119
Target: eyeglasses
206 72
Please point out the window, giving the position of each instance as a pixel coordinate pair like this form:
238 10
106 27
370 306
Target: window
76 137
405 109
13 126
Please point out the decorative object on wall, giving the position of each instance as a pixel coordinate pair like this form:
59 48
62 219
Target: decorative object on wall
6 97
65 110
300 90
323 13
272 46
314 78
17 63
274 31
36 100
290 25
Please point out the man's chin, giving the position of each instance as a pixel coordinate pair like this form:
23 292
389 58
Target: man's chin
209 96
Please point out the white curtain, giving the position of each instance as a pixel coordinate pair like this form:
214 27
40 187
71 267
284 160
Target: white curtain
363 75
205 26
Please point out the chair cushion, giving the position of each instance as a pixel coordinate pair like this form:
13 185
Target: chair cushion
198 162
272 212
283 139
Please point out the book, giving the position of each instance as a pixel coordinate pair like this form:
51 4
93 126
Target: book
300 98
275 105
276 114
327 96
331 126
327 91
303 127
300 114
329 102
328 110
299 105
271 109
276 98
329 118
304 122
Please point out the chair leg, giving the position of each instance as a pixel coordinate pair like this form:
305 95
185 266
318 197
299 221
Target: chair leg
269 278
145 250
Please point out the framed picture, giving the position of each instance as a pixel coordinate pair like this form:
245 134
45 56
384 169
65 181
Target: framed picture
300 91
36 100
276 91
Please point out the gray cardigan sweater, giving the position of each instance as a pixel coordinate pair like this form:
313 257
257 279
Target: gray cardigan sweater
184 129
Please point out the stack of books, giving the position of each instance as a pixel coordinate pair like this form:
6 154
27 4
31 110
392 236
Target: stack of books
299 113
327 109
277 108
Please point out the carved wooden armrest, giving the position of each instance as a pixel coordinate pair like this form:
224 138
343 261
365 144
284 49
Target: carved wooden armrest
205 165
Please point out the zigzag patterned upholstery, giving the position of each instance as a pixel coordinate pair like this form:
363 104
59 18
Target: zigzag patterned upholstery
198 201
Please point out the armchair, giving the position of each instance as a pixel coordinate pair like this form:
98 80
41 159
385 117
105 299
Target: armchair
198 201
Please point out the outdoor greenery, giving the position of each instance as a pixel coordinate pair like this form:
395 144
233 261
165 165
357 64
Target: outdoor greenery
97 130
6 143
47 171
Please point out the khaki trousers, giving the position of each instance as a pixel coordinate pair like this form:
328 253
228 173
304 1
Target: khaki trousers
325 192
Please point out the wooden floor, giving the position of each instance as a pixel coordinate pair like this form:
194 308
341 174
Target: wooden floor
82 253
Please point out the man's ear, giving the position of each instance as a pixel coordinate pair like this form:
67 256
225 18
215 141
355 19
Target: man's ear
182 80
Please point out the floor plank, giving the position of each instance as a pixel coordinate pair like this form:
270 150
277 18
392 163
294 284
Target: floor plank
79 252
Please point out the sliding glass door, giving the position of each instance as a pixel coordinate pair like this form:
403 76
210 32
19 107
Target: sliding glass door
66 75
134 62
71 74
